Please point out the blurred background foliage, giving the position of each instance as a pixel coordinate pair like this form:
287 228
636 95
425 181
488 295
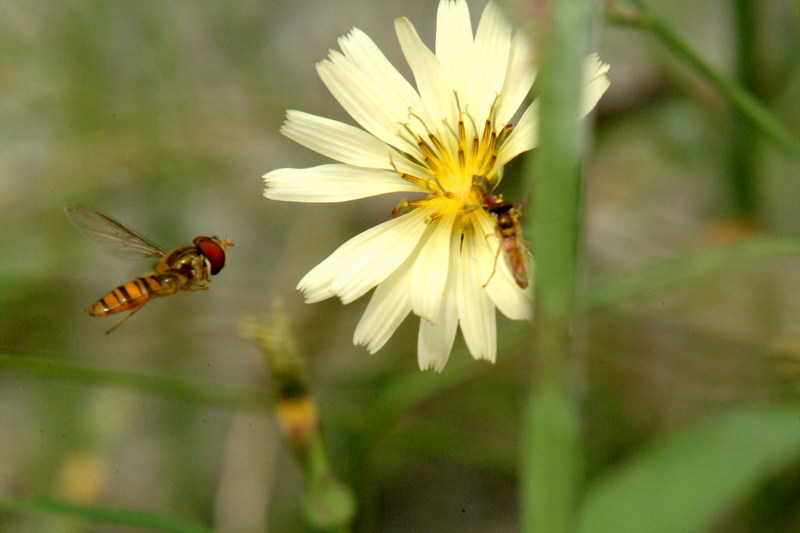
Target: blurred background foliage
166 114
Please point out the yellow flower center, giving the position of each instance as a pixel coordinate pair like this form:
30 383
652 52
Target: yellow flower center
462 164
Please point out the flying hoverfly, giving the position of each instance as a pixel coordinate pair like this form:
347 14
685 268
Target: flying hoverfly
508 230
183 269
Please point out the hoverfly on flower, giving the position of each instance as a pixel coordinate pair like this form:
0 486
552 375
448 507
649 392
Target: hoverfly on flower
508 231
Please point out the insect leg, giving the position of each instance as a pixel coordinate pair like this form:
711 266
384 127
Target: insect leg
126 317
494 268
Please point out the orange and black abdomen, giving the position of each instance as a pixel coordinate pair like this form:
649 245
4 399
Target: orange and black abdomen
135 293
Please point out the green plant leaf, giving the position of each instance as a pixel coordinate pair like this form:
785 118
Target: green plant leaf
107 515
669 273
189 390
683 483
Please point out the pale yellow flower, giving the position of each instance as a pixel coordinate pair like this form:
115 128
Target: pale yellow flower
440 139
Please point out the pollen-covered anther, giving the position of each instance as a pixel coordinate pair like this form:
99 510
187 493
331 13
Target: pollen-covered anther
431 158
437 143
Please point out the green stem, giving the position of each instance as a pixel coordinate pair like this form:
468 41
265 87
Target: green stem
673 272
753 111
743 149
106 515
178 388
551 440
329 504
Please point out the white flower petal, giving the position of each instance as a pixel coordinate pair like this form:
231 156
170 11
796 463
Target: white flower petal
454 41
436 92
514 302
519 78
435 338
384 247
337 140
596 82
389 305
332 183
429 272
360 49
366 102
489 61
347 143
435 342
475 309
373 264
524 136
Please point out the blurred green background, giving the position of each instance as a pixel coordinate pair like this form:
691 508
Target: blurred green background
166 114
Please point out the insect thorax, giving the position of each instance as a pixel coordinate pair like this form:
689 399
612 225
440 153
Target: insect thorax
186 260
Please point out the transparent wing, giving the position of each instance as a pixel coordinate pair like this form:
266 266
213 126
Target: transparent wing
110 235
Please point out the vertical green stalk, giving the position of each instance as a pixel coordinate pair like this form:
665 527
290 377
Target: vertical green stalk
551 440
742 160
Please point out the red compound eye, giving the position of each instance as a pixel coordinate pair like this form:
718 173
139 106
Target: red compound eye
213 252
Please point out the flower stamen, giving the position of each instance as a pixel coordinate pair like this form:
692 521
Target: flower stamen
408 177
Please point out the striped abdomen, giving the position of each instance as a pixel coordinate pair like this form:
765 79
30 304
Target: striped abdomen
135 293
514 250
516 257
